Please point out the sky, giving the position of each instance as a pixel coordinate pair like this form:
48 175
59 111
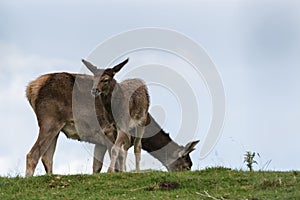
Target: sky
254 45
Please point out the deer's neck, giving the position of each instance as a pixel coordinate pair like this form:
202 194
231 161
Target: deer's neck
115 96
158 143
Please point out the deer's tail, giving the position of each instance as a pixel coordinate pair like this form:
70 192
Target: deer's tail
33 89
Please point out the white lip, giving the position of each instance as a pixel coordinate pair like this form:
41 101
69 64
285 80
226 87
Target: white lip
95 94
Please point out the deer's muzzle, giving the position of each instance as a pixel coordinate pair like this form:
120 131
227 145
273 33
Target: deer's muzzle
95 92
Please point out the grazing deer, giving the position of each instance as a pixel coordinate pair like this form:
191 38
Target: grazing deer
159 144
62 103
127 103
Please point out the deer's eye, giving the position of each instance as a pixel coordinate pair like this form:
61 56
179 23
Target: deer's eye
104 80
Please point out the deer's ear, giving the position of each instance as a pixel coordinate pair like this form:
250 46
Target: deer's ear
188 148
90 66
119 66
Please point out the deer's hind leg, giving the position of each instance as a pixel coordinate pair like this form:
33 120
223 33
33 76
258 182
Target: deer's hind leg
47 158
47 133
138 146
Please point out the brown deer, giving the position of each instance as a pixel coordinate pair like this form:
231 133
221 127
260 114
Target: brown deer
127 103
62 103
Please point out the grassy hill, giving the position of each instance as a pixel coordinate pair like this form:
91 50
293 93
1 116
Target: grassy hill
213 183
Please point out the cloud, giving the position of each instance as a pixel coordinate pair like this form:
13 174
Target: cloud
262 101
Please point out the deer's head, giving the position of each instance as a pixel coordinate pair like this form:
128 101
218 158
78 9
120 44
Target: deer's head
104 81
182 158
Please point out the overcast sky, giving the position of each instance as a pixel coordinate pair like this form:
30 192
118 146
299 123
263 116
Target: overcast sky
255 45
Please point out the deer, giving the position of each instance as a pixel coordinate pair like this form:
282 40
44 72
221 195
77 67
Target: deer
62 103
127 103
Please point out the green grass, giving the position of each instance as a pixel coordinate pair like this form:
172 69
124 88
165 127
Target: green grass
212 183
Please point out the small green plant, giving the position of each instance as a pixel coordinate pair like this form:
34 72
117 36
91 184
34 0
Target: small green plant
249 159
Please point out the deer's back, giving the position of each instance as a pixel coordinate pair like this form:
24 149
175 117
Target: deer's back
51 93
136 93
66 98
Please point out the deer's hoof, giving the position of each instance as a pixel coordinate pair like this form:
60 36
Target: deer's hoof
110 170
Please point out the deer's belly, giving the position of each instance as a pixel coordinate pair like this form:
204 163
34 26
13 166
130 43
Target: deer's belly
83 132
70 131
